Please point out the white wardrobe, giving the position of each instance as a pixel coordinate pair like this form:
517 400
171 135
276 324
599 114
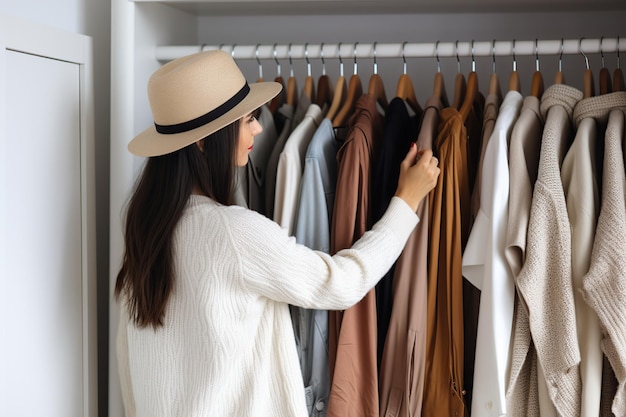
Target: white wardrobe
143 31
48 352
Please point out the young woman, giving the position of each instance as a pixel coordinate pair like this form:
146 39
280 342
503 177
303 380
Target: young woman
205 285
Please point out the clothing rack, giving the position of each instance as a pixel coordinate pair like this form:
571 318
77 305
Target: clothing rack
347 51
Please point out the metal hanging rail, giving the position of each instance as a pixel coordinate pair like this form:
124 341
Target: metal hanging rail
347 50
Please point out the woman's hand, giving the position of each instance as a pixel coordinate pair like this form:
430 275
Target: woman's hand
418 175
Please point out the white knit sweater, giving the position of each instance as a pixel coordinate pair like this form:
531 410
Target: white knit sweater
227 346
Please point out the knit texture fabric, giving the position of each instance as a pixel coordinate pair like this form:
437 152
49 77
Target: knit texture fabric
545 281
227 345
605 283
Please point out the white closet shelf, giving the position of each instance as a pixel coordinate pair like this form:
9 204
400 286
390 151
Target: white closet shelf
247 7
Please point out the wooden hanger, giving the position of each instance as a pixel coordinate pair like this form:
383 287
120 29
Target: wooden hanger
536 85
405 90
588 84
494 82
292 83
514 83
439 85
472 90
309 82
560 77
355 90
324 94
376 86
280 99
604 76
459 83
340 93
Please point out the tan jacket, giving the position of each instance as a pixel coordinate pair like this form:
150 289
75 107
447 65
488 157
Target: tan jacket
353 332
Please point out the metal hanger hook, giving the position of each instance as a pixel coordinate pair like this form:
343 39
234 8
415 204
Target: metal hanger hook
290 62
458 61
403 58
618 52
602 52
580 49
340 60
514 60
561 57
355 65
375 64
277 63
536 54
322 58
306 57
437 56
256 52
493 54
473 60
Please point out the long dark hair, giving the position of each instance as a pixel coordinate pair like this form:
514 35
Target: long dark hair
146 276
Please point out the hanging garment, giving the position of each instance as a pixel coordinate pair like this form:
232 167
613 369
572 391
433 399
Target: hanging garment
604 285
545 281
522 391
251 185
400 130
283 121
317 197
485 267
290 167
352 333
403 359
583 204
492 106
471 294
449 220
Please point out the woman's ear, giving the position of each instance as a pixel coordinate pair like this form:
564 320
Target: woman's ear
200 144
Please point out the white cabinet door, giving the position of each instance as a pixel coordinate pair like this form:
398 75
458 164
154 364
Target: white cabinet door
45 348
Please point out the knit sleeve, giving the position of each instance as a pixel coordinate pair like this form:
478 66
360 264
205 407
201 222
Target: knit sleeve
274 265
122 362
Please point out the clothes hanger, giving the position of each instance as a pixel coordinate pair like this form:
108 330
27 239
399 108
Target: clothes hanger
292 83
324 94
618 76
280 99
258 61
459 83
472 89
560 77
604 76
588 85
439 86
514 83
340 93
404 89
309 82
355 90
536 85
376 86
494 82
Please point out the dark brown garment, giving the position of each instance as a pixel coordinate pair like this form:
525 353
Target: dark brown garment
353 332
449 229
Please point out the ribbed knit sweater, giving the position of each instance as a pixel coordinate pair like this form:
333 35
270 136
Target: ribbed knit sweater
227 346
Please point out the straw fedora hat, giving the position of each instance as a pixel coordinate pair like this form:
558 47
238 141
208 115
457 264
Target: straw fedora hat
194 96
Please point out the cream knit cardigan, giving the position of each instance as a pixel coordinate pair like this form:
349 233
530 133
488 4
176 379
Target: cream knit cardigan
227 346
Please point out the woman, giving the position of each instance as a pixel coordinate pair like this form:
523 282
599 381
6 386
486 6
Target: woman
205 285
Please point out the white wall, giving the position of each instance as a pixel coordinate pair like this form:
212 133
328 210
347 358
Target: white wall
91 18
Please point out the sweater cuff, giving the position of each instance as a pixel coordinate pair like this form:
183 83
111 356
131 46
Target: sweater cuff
400 218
